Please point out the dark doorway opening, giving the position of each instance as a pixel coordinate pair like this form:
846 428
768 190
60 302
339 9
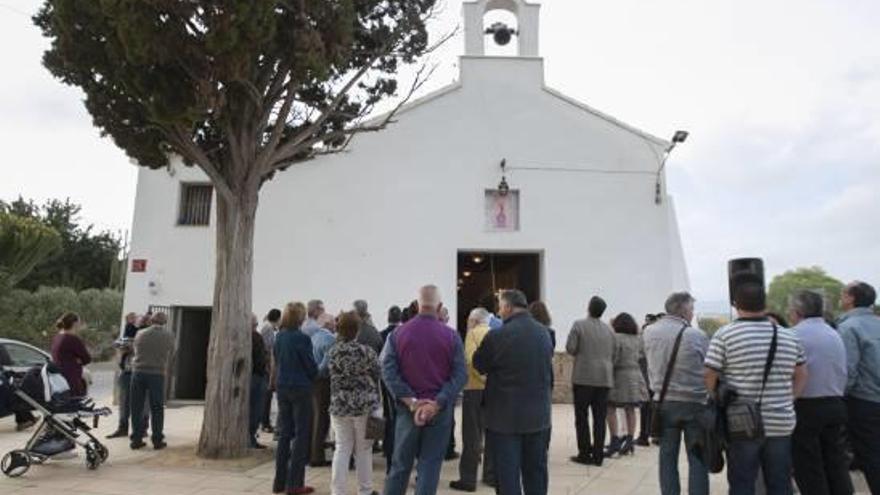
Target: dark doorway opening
193 331
481 275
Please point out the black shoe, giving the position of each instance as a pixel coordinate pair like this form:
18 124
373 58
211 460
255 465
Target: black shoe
159 445
596 461
614 446
491 483
461 486
643 441
320 464
118 434
451 456
627 446
278 487
137 444
582 459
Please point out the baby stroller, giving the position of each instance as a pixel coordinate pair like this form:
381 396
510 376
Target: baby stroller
62 427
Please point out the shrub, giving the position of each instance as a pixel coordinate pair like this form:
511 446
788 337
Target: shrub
710 325
31 316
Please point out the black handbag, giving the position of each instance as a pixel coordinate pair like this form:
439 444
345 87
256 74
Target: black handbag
743 417
710 444
375 428
656 419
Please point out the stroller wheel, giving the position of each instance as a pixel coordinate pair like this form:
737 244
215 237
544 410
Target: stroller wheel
15 463
93 460
102 451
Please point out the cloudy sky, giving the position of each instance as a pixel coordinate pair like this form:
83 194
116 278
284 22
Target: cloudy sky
782 100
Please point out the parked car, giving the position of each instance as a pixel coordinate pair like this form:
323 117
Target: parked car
25 356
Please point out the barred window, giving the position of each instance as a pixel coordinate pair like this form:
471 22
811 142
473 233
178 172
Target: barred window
195 204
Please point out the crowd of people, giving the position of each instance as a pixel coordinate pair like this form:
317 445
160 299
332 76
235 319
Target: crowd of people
802 400
814 387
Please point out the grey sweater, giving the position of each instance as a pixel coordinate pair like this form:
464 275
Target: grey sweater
591 342
686 383
152 348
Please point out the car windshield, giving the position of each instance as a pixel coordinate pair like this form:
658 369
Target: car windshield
21 355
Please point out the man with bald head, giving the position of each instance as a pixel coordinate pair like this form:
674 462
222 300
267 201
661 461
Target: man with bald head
423 367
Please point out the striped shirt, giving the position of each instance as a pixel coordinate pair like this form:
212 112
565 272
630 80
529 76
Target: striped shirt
739 352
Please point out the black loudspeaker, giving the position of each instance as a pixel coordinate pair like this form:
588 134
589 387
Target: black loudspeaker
744 270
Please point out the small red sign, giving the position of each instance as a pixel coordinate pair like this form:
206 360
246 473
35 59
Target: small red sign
138 266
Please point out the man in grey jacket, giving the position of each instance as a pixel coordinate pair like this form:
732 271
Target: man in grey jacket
685 395
591 342
152 348
860 329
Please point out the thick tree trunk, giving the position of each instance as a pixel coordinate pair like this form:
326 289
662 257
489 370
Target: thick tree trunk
225 423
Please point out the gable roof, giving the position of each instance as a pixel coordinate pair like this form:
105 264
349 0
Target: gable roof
443 91
604 116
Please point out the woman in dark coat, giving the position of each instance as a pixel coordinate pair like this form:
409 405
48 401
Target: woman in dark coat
70 354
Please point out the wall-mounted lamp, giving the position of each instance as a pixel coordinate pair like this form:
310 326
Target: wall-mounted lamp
503 187
679 137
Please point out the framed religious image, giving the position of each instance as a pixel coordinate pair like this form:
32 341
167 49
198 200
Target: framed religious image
501 211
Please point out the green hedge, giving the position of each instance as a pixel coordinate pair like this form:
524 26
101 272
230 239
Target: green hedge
30 316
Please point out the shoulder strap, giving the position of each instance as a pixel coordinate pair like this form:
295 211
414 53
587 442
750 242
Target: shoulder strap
768 365
668 376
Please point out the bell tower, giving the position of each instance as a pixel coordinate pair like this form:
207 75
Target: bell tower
475 28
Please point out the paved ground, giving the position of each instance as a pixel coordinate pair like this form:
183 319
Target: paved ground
178 472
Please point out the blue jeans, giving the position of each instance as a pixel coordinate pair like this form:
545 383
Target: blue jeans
520 462
772 455
426 443
679 418
258 393
142 386
294 415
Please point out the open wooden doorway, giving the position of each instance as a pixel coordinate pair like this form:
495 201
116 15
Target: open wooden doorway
482 274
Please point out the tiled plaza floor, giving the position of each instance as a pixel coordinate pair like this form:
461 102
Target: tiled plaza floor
130 472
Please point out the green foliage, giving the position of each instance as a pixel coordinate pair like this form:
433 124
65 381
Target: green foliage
31 316
24 243
812 278
86 258
710 325
164 74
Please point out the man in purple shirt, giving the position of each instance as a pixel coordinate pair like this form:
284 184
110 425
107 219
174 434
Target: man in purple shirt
423 367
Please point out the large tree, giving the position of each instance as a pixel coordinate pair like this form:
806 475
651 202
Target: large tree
87 258
24 244
813 278
240 89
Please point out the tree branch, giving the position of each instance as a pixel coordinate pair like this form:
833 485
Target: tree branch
282 161
278 129
191 151
288 149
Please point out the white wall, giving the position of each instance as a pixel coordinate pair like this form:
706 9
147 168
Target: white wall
391 214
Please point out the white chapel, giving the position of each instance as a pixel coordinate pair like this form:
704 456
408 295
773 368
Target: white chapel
496 181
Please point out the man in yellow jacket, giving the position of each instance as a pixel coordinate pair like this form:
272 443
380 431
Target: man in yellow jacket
473 423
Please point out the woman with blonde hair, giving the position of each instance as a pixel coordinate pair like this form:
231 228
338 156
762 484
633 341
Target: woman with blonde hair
70 354
292 377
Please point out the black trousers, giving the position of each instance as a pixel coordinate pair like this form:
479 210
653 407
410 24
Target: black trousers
864 433
590 399
266 420
321 423
817 445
